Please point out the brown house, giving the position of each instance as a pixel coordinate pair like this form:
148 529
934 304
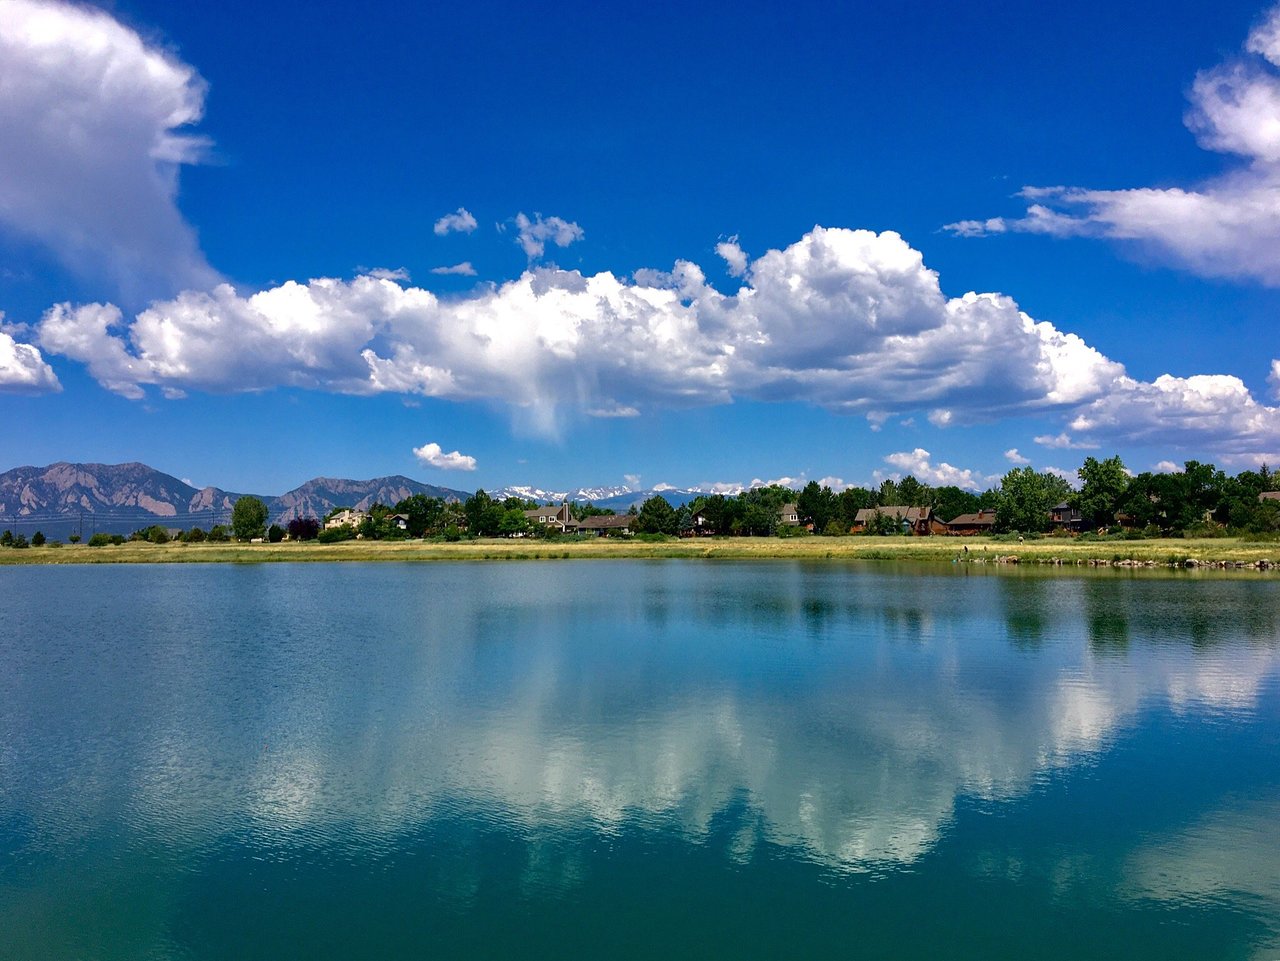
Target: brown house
970 525
1066 518
552 516
914 520
606 525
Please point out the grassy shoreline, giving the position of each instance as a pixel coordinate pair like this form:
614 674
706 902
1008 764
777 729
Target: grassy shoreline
1161 554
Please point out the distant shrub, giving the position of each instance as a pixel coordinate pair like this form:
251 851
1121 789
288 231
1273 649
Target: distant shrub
116 539
304 529
99 540
275 533
74 538
452 534
37 539
332 535
194 536
218 534
791 530
1205 530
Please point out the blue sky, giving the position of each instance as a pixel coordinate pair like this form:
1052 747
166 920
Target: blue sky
178 173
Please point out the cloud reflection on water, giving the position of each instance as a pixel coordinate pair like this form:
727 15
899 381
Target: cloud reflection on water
843 714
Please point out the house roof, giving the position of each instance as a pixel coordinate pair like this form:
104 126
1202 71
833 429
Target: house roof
898 513
560 513
788 509
1269 496
605 522
980 519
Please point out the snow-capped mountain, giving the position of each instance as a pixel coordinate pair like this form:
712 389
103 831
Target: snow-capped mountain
618 498
581 495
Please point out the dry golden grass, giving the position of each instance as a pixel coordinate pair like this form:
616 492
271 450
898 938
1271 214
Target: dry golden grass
1163 552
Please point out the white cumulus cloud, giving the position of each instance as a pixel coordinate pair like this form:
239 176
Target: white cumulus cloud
93 122
917 463
461 222
849 320
1228 226
534 234
735 258
1013 457
433 456
23 369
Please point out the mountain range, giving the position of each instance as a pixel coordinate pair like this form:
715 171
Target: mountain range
64 498
118 498
612 498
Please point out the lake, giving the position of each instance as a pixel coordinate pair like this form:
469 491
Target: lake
637 759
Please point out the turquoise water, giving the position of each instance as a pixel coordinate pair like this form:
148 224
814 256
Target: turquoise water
636 760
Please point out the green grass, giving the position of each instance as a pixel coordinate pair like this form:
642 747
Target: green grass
1162 552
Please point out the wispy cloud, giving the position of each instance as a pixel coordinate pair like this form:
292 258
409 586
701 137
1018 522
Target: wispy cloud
1228 226
459 222
386 273
533 235
463 269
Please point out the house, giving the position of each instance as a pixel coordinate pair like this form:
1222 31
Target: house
913 520
1066 518
1268 496
349 517
606 525
552 516
399 521
789 514
969 525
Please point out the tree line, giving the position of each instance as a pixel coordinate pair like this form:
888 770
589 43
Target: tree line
1200 499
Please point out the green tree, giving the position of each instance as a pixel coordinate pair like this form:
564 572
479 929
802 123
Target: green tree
912 493
425 514
74 538
484 516
1026 498
882 524
852 500
249 518
513 522
218 534
758 518
951 501
657 516
37 539
1102 490
194 536
157 534
888 495
275 533
816 505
